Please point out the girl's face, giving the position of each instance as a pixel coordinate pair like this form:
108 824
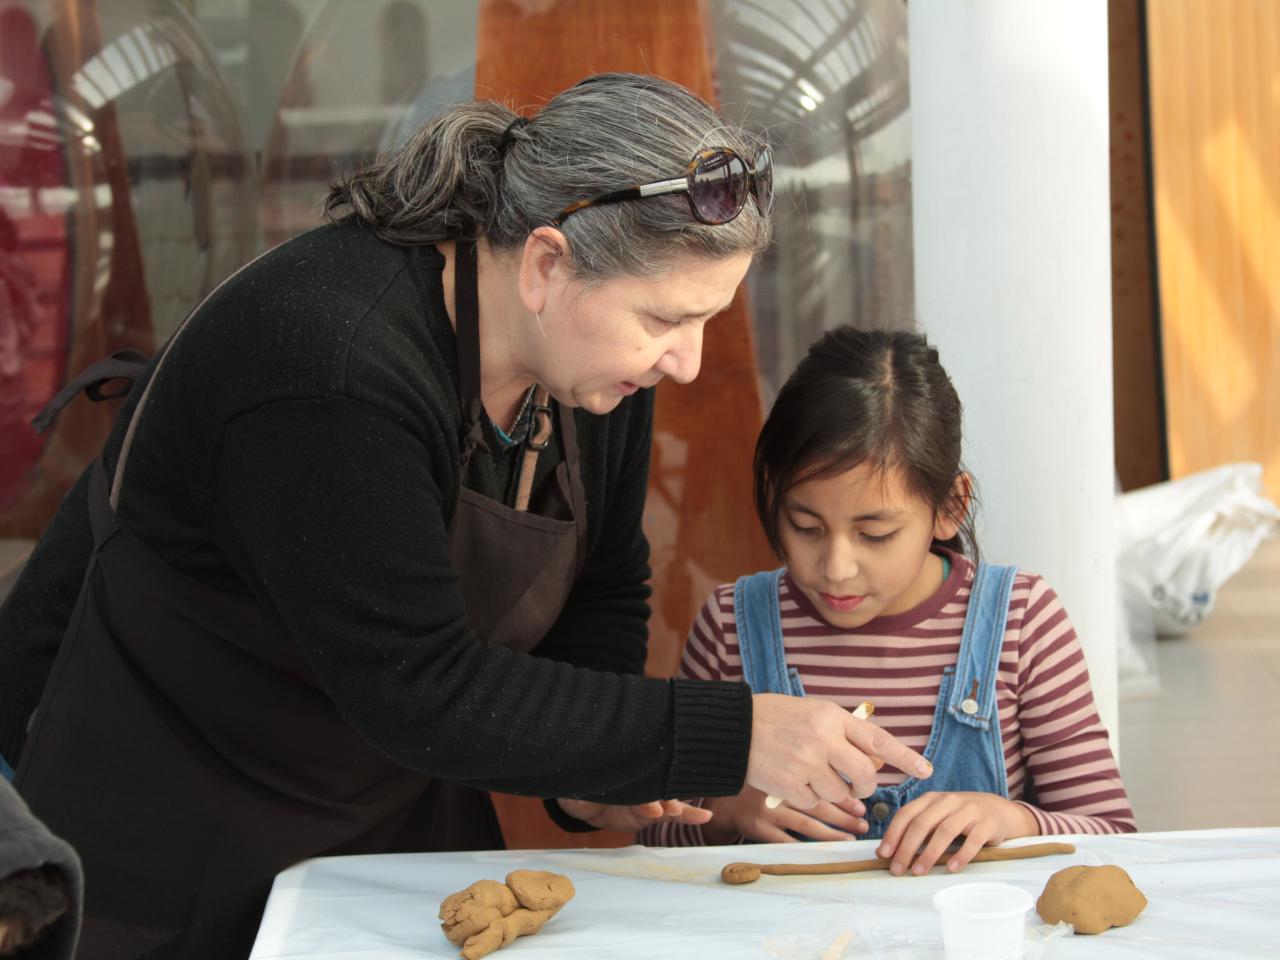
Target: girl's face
606 341
857 543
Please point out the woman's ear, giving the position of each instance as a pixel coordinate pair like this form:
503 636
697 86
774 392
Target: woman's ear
951 516
545 264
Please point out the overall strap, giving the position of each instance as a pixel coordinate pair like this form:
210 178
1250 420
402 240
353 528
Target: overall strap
973 695
759 622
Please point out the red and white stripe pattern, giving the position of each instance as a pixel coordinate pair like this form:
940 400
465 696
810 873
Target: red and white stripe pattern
1053 737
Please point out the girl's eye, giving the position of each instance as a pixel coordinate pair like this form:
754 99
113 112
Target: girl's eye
883 538
804 531
671 324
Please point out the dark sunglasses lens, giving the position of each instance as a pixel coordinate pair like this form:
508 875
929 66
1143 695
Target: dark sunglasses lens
718 188
764 181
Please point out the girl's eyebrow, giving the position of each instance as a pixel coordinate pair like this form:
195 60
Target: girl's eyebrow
883 516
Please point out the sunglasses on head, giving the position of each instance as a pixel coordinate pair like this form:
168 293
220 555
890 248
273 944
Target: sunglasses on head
716 183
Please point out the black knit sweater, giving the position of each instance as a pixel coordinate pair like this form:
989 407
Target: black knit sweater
301 444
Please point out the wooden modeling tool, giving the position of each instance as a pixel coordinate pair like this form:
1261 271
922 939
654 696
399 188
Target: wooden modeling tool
750 872
865 709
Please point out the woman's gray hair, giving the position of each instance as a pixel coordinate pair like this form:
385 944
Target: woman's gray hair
458 178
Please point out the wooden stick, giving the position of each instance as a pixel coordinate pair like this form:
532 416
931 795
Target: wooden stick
865 709
750 872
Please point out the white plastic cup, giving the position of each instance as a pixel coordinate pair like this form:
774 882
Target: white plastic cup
983 921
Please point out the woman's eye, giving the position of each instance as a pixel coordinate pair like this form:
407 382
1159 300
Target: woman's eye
665 324
882 538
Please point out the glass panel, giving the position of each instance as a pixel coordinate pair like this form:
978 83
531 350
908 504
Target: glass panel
122 202
828 81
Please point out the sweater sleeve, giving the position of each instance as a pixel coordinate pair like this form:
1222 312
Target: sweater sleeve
35 614
700 662
328 509
1071 770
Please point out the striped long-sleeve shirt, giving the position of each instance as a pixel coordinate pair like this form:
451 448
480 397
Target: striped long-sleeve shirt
1055 746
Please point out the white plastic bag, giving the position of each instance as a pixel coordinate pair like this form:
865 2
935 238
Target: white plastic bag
1180 541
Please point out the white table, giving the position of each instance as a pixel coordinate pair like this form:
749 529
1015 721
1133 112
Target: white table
1212 893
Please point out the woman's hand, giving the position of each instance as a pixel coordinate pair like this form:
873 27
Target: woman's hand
802 747
629 819
747 816
935 820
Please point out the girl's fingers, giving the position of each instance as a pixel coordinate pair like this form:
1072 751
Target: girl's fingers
836 815
901 821
769 833
694 815
922 826
974 842
811 827
852 805
944 834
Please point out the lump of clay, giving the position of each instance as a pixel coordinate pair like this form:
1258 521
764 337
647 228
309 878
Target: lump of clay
488 915
1091 899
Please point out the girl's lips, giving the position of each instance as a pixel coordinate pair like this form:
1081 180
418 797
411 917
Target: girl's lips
841 604
628 388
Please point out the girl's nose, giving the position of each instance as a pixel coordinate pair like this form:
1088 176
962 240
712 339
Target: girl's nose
684 359
839 565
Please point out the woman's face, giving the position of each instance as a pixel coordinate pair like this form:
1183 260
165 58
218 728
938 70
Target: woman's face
605 341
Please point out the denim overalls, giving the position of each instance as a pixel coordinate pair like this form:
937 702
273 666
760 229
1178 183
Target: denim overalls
964 746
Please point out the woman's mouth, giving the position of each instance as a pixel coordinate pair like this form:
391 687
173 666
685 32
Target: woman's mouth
627 388
842 604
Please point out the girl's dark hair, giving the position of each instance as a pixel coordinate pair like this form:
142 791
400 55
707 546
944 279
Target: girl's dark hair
877 397
471 173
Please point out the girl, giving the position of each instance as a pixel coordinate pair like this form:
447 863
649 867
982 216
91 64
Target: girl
859 486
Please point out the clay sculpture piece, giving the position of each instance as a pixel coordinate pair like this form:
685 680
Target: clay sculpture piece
1091 899
488 915
750 872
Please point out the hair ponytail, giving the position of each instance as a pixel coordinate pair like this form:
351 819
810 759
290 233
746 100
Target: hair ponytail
472 172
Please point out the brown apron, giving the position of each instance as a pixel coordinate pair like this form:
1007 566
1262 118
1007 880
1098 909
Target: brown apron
187 752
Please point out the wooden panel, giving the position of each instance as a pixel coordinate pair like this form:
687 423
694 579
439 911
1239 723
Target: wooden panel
1215 104
1137 384
699 518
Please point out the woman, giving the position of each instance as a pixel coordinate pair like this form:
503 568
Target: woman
374 471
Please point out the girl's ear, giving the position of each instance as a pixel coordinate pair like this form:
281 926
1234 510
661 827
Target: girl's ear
545 263
950 517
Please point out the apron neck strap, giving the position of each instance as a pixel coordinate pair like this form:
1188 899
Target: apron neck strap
467 301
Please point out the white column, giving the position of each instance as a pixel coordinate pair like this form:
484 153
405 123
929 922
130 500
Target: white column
1009 117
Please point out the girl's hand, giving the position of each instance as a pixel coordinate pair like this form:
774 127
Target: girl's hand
935 820
607 816
747 816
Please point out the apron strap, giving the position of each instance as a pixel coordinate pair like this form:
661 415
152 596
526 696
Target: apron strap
121 365
466 295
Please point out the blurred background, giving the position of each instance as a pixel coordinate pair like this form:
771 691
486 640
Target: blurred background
150 147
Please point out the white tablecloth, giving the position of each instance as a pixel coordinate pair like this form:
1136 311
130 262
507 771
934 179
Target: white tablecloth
1212 893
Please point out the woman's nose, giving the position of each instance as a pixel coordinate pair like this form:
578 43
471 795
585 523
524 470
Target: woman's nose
684 359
